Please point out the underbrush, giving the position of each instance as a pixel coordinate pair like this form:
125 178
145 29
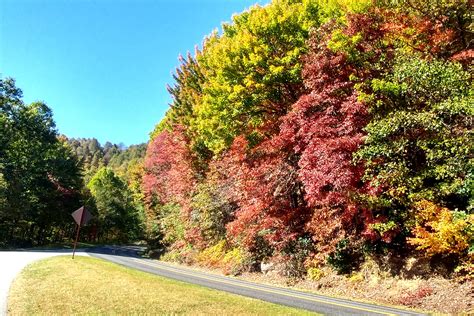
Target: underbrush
229 260
416 285
416 282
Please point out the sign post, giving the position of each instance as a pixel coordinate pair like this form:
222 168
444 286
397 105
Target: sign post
82 217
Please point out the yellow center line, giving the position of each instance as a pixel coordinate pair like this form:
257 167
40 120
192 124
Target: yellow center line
175 270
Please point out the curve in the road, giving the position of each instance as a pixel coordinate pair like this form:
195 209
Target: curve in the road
309 301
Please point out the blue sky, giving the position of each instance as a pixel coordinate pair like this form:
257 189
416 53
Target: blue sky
103 65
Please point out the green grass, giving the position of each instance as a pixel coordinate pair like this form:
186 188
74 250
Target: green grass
61 286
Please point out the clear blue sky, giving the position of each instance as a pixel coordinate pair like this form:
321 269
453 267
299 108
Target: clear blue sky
103 65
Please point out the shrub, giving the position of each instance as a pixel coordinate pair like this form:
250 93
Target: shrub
413 298
356 277
172 256
211 211
232 261
235 261
295 255
171 223
441 231
212 256
345 258
315 274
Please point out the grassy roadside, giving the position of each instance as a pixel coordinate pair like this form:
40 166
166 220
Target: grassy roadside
87 285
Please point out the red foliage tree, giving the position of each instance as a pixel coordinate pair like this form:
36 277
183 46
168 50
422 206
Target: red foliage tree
168 175
325 126
439 29
268 193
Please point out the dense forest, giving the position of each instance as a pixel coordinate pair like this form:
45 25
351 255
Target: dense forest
304 134
309 133
112 178
45 176
92 156
39 176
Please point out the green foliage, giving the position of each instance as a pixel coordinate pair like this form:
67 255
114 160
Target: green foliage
211 211
295 255
186 92
420 83
126 164
161 126
125 158
252 70
341 42
93 156
420 139
383 227
3 192
170 223
117 217
345 258
39 177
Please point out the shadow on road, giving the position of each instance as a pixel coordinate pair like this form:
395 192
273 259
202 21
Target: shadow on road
124 251
116 250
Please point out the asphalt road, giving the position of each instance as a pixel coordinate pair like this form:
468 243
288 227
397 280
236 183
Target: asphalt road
128 256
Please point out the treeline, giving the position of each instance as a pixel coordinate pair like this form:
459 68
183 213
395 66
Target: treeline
40 181
319 132
45 176
112 177
93 156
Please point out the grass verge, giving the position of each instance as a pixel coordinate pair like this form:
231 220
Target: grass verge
62 286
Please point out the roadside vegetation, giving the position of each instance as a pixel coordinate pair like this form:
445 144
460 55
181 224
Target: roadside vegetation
306 138
44 177
89 286
320 133
39 176
314 136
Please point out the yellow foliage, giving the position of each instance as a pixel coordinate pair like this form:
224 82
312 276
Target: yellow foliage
356 277
233 257
315 274
234 261
354 6
438 231
339 8
217 256
212 256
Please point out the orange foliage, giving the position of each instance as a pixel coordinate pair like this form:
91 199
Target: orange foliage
438 231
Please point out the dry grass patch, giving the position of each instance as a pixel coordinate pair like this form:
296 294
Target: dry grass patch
62 286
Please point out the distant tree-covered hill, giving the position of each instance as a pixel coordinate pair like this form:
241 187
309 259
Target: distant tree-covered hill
93 156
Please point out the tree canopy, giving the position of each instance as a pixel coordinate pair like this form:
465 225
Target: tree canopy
39 177
314 132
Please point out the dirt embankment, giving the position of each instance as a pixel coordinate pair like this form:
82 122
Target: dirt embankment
411 287
415 284
435 294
